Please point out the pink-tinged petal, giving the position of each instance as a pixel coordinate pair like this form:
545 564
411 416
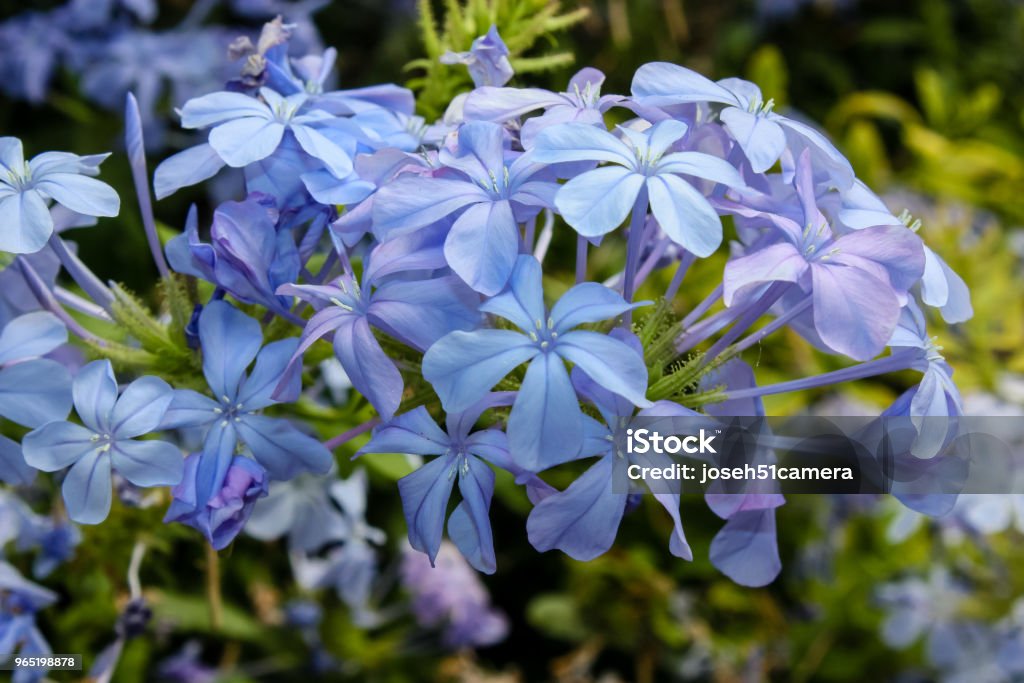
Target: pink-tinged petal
854 312
779 262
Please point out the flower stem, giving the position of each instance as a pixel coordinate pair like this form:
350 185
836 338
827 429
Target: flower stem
81 274
213 592
345 437
634 242
47 300
901 360
684 265
581 258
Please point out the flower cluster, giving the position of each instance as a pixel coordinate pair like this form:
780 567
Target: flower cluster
426 258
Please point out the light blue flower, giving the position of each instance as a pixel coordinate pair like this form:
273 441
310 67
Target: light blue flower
639 170
490 195
761 133
244 130
546 425
33 390
230 341
583 520
107 441
27 187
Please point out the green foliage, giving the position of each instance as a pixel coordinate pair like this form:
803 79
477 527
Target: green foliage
525 26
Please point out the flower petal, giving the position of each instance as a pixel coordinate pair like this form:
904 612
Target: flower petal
545 427
580 142
81 194
854 312
482 246
469 526
243 141
523 301
746 550
425 495
413 432
684 214
57 445
148 463
411 202
761 139
31 335
281 448
372 372
581 521
188 167
141 407
35 392
27 223
86 489
608 361
588 302
598 201
230 341
463 366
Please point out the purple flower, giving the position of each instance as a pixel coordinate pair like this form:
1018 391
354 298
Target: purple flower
546 425
447 593
857 282
222 516
598 201
487 60
581 103
107 441
934 404
230 341
490 196
248 255
417 313
26 187
941 287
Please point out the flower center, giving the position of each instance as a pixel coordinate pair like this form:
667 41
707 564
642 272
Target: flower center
21 178
230 411
544 335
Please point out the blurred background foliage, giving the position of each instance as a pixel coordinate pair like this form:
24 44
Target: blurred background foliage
926 97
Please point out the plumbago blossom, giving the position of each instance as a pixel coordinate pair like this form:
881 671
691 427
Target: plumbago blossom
418 257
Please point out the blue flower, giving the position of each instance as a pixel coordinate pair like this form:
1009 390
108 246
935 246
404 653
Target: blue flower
546 425
107 441
221 517
487 60
583 520
20 599
33 390
302 510
425 492
26 187
598 201
491 196
230 341
246 130
582 102
761 133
